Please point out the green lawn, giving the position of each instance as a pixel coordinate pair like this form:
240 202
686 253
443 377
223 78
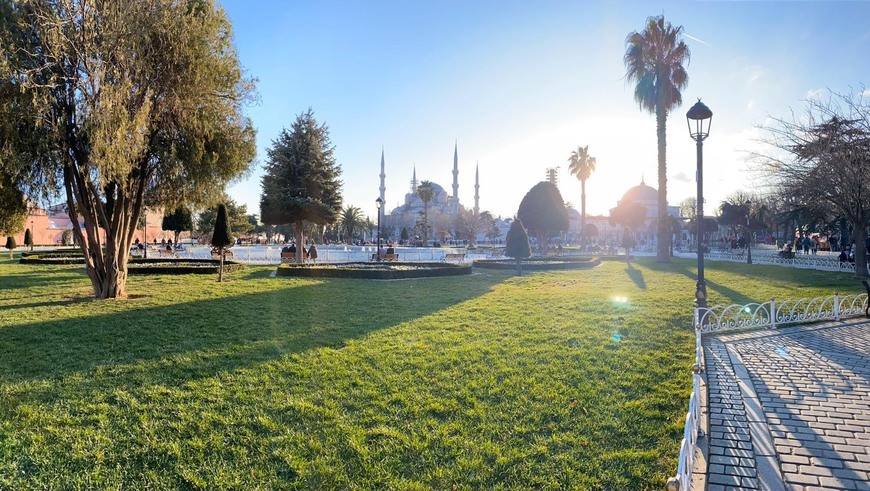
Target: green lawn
486 381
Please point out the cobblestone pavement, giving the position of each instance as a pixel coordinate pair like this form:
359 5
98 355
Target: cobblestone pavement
790 408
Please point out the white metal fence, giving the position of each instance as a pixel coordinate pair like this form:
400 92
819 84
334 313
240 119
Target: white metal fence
821 262
773 314
326 254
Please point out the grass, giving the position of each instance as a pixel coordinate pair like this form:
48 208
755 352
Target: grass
486 381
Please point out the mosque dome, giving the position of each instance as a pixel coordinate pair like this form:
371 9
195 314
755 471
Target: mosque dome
641 193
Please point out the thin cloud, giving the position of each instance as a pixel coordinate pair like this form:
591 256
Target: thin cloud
681 177
693 38
866 93
816 93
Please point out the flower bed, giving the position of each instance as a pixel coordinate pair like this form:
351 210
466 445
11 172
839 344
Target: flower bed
540 263
373 270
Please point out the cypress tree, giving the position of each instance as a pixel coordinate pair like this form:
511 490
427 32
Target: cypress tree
221 238
11 245
517 244
28 239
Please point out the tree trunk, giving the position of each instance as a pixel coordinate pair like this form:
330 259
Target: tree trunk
662 255
300 235
583 208
860 236
221 267
519 266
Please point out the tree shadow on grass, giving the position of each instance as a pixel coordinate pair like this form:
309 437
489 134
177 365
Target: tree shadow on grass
636 276
223 334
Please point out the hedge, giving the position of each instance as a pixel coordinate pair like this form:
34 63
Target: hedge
368 271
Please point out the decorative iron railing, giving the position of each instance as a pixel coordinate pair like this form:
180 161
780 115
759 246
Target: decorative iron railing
799 261
773 314
683 479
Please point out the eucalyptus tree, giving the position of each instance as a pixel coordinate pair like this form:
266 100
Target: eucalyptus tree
654 60
301 183
582 165
119 103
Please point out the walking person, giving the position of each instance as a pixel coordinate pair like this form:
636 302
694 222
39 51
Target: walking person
312 254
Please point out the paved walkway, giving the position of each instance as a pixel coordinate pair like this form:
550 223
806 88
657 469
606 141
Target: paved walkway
790 409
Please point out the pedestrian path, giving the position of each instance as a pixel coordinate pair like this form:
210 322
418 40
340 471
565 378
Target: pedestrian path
789 408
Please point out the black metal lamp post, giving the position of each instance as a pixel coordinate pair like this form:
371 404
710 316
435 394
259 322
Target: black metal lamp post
145 233
699 118
379 202
32 235
748 204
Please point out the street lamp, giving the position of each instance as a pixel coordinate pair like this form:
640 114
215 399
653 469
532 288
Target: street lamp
748 234
32 235
145 232
379 203
699 118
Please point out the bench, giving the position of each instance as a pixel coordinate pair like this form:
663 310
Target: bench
454 256
164 252
385 257
786 254
496 254
290 257
217 255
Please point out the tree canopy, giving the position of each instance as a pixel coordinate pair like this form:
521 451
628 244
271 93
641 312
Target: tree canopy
823 157
180 220
118 104
13 208
301 181
543 212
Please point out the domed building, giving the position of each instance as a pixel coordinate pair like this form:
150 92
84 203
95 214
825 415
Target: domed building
648 196
443 208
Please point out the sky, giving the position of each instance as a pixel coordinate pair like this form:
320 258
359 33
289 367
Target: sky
518 86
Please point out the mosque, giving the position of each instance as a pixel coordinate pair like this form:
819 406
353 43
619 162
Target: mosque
443 208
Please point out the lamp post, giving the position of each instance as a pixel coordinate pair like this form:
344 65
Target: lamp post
32 235
145 232
379 202
699 118
748 204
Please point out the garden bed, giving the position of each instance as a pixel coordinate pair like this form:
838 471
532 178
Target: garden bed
138 266
540 263
374 271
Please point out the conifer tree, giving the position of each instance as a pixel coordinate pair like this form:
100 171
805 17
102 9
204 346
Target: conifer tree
517 244
301 181
11 245
221 238
28 239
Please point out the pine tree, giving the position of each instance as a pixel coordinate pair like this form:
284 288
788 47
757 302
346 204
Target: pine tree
221 238
301 183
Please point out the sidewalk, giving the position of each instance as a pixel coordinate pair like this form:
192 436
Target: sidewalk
790 408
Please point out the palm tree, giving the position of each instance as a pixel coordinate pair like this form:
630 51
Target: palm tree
582 165
426 193
654 60
350 218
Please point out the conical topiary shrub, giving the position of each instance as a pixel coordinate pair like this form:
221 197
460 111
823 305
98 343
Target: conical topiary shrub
517 244
11 245
221 238
28 239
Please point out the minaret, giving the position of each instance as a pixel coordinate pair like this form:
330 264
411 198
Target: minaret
477 189
456 177
383 177
414 181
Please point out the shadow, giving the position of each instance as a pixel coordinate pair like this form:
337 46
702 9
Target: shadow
793 377
182 341
636 276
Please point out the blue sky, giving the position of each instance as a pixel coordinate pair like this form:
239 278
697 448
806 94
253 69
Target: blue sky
519 85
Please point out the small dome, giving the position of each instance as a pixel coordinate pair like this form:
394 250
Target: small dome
641 193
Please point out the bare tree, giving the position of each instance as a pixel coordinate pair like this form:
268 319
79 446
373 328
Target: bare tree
824 156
